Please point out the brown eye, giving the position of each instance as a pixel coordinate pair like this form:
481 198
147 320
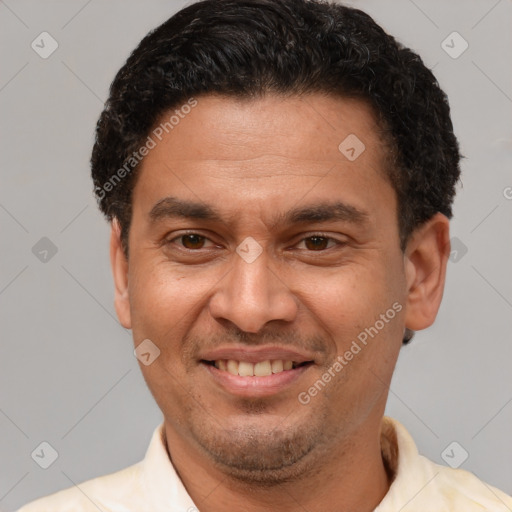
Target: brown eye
316 243
192 241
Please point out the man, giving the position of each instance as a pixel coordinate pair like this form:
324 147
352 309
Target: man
279 176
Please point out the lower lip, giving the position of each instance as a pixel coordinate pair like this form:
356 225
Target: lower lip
256 386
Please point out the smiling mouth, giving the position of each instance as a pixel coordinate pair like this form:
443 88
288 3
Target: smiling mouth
259 369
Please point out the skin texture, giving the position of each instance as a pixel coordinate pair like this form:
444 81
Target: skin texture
253 160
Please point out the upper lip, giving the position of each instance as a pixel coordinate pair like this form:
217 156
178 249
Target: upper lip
256 354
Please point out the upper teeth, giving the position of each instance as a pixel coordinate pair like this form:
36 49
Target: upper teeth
246 369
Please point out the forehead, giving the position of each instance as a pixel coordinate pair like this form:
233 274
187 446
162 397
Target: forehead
265 153
290 126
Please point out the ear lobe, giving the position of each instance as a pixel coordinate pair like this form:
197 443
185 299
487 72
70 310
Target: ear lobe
119 265
426 258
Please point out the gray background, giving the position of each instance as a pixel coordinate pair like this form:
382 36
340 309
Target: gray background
67 371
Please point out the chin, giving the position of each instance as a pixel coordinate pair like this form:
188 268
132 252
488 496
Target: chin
262 453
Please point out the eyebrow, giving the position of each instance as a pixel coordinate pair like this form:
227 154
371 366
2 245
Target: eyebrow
172 207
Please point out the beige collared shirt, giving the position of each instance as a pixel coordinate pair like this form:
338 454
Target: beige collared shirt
152 485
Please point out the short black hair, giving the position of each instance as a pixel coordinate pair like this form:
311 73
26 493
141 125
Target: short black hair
248 48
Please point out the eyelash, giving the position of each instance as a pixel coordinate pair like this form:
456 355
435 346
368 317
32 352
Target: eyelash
313 235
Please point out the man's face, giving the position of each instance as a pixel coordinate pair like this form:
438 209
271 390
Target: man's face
273 179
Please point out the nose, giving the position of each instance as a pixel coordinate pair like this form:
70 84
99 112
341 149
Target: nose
251 295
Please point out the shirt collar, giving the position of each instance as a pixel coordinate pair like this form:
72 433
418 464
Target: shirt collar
164 487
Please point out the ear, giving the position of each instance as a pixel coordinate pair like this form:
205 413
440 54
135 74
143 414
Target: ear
426 257
119 266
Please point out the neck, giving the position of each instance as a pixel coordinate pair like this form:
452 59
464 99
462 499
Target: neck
349 476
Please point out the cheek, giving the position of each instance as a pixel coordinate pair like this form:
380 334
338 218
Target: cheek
349 297
165 300
361 309
155 300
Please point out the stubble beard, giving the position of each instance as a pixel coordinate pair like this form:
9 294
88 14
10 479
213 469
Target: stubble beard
262 455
